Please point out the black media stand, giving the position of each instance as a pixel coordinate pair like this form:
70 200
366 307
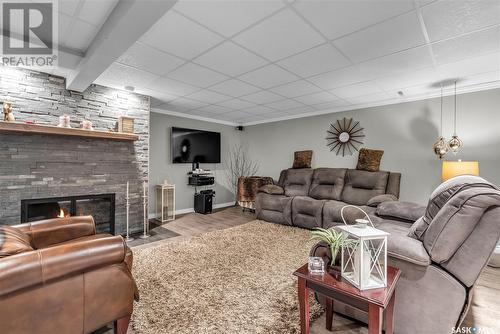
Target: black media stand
203 200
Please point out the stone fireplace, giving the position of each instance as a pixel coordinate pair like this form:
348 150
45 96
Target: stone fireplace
101 207
41 166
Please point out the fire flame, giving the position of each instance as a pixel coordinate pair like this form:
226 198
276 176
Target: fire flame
61 214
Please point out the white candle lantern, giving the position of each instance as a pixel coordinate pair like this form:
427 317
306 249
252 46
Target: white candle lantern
364 262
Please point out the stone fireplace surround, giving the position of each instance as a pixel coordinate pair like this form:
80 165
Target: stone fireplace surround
42 166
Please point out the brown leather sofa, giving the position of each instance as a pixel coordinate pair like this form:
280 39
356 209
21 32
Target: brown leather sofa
59 276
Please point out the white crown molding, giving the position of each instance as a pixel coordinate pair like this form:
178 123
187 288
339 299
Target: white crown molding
199 118
421 97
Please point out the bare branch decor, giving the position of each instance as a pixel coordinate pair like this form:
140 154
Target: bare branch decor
239 164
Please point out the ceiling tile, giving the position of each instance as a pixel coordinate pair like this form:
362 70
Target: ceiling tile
236 104
370 98
81 35
68 7
397 34
188 103
149 59
167 85
127 76
300 110
227 17
233 115
279 36
96 12
284 104
296 88
471 66
331 105
234 88
359 89
179 36
445 19
490 77
259 110
341 77
320 59
196 75
475 44
316 98
214 109
230 59
399 62
338 18
262 97
407 79
268 76
208 96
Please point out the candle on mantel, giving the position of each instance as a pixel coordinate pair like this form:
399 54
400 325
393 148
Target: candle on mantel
144 186
127 189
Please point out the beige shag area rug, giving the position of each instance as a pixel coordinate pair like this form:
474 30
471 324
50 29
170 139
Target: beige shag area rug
237 280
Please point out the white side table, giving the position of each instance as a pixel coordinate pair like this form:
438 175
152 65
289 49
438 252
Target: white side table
165 202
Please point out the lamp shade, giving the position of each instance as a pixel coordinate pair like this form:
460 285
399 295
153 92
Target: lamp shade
454 168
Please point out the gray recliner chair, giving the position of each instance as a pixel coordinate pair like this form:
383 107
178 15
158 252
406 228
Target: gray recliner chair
442 256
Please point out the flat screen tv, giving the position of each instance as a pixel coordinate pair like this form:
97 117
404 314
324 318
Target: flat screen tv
190 145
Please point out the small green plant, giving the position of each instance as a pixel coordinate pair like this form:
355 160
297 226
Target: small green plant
335 239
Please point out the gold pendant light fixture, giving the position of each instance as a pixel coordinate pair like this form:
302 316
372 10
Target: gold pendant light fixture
440 147
455 143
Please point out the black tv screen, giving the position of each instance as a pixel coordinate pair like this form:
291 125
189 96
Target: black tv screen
190 145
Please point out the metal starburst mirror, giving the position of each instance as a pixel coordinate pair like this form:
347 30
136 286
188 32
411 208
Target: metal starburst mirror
344 136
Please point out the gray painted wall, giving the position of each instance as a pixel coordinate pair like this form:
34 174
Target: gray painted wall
161 166
406 132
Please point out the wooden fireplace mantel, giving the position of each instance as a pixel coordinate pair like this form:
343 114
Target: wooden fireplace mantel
54 130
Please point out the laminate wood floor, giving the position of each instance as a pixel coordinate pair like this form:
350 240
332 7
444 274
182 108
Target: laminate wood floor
483 314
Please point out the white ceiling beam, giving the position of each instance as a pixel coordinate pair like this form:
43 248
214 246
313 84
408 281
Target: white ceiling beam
128 21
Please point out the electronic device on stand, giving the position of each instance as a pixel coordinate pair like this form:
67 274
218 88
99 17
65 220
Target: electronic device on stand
203 200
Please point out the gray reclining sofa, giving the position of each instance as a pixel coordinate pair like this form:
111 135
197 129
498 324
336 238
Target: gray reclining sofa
311 198
441 250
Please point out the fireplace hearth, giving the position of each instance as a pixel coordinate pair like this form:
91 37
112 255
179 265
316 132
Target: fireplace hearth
101 207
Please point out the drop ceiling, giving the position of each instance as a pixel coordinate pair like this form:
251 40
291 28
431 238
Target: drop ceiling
247 62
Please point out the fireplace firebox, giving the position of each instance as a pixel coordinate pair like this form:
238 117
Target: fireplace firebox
101 207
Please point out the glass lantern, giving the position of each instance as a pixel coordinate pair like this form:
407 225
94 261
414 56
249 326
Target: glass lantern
364 262
165 202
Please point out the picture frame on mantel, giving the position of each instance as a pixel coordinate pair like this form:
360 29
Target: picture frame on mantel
126 124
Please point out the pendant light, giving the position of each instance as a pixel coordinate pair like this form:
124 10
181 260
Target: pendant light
440 147
455 143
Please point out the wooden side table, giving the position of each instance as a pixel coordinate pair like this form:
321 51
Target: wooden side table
373 301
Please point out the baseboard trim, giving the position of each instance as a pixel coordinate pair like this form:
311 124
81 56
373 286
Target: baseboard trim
190 210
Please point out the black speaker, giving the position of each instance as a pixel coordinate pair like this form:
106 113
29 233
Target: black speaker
240 128
203 201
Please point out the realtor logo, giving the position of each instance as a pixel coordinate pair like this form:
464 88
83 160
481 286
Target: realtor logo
29 32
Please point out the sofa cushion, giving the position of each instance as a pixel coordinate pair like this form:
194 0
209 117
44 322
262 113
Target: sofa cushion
13 241
405 211
297 182
362 185
375 201
274 208
332 214
307 212
272 189
327 183
369 160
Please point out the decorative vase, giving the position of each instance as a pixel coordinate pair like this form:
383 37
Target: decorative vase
64 121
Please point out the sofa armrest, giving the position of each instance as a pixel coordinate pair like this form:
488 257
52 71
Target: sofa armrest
48 232
41 266
272 189
405 211
407 249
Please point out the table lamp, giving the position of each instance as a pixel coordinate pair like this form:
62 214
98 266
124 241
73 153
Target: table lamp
454 168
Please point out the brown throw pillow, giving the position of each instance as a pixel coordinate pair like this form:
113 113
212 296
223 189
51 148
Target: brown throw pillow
369 160
302 159
13 241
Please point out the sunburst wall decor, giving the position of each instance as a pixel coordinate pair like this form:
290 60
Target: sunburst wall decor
344 136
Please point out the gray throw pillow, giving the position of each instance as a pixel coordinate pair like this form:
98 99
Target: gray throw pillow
272 189
418 229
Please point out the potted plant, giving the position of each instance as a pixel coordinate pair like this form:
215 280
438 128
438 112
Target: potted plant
335 240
